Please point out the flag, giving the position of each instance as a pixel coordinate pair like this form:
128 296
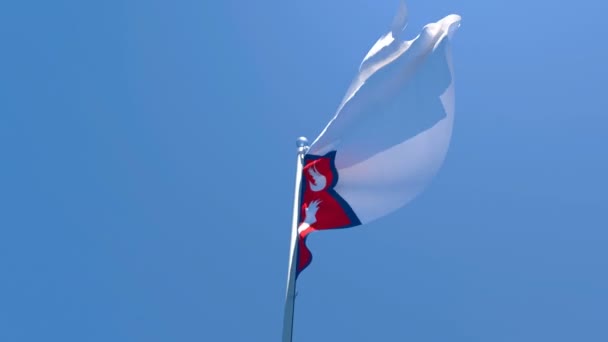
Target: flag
388 137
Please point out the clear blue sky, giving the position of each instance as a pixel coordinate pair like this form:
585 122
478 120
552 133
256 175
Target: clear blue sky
148 161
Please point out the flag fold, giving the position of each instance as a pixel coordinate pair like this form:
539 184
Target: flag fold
389 136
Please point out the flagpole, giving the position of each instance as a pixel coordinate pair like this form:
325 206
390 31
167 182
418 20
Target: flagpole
302 144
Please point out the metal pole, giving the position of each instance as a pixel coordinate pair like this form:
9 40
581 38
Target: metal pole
302 144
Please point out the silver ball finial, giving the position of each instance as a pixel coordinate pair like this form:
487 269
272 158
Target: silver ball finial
302 144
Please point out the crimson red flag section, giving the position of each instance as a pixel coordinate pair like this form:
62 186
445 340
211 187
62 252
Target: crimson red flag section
321 206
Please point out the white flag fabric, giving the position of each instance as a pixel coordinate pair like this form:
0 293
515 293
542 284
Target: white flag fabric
389 136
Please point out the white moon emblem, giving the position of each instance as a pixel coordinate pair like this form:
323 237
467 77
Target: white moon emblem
319 181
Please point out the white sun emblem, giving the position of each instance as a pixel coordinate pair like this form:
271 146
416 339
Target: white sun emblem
310 215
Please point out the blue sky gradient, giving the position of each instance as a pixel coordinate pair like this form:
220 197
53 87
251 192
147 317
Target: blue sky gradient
148 155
